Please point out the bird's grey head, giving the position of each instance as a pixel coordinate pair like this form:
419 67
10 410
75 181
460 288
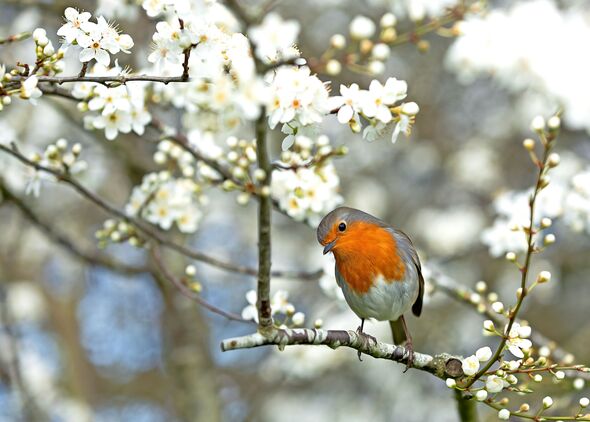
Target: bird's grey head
338 220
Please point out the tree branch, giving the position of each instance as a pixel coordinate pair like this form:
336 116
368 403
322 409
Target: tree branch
14 38
155 252
264 226
530 233
67 244
105 80
147 230
442 365
466 407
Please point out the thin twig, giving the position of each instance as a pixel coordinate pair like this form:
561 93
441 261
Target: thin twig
530 231
65 243
16 37
155 252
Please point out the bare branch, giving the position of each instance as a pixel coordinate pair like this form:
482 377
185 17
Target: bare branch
14 38
442 365
264 226
187 291
67 244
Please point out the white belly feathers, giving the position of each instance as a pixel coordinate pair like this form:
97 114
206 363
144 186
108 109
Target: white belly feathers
383 301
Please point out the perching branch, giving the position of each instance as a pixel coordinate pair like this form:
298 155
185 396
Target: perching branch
441 365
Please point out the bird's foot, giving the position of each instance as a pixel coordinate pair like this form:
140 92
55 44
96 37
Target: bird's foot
360 331
410 362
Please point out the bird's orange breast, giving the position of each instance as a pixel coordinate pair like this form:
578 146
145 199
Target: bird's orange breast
365 252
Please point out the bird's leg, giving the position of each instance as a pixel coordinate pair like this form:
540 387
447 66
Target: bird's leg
409 345
360 331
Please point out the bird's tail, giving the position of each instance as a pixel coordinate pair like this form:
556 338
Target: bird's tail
399 334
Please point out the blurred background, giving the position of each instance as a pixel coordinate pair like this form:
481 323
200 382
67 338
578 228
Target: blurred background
86 343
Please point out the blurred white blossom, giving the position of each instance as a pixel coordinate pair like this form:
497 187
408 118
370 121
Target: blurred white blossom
163 200
274 38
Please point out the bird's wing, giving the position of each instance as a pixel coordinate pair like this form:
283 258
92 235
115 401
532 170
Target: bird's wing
408 246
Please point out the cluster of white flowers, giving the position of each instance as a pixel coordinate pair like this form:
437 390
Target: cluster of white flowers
528 55
113 108
297 98
57 156
377 105
94 39
470 364
303 191
274 38
164 200
279 304
577 203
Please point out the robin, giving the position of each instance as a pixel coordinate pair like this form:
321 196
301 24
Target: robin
377 269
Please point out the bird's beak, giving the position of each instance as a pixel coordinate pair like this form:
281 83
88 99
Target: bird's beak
329 246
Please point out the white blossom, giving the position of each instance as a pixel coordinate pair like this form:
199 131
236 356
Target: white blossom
296 95
484 354
517 341
495 384
168 201
274 38
470 365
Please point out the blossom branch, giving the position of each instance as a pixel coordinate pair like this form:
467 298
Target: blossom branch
442 365
146 230
105 80
547 141
464 295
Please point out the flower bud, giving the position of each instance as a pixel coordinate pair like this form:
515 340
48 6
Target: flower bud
338 41
553 159
511 256
504 414
333 67
554 122
538 124
362 27
481 395
381 51
451 383
481 286
528 144
549 239
546 222
547 402
498 307
543 277
388 20
584 402
190 270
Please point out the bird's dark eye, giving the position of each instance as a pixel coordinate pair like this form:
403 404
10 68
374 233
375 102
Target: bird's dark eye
342 226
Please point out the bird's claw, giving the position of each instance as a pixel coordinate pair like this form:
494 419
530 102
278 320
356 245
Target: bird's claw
410 362
360 332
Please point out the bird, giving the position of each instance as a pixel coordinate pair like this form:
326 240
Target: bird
377 268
